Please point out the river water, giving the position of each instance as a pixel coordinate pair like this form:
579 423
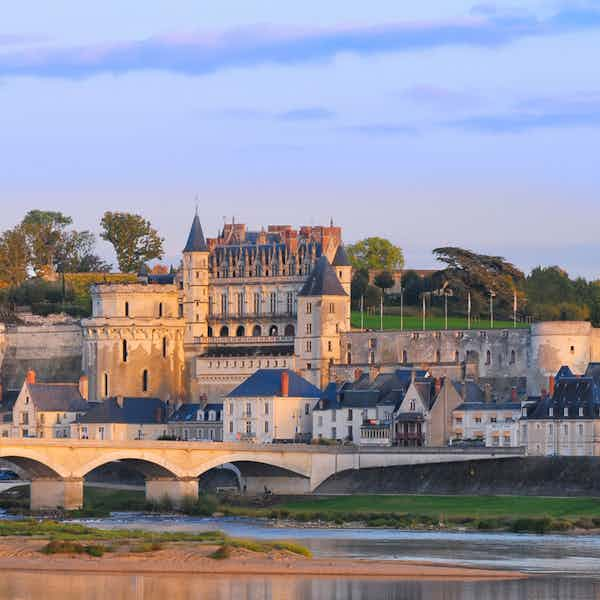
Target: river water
562 567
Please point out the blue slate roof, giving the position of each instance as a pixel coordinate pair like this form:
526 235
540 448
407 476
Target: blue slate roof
133 411
57 397
196 241
572 395
564 371
341 258
189 412
483 406
267 382
322 281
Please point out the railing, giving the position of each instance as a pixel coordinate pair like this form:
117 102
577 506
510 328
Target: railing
262 340
252 316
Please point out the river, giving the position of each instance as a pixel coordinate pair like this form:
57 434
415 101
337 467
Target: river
562 567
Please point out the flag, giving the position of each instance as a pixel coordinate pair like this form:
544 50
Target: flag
469 308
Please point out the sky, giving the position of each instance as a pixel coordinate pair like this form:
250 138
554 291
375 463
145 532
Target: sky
429 123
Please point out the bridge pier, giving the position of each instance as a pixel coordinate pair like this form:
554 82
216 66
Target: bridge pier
175 490
50 494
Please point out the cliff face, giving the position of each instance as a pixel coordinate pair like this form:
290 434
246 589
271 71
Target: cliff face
533 476
53 351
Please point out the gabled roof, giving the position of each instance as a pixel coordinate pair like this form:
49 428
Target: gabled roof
322 281
133 411
189 412
57 397
196 241
571 395
267 383
564 371
341 258
469 391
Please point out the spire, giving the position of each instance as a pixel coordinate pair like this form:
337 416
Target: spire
323 281
196 241
341 258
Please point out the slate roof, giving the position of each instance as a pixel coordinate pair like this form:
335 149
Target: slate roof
492 406
341 258
572 394
196 241
57 397
322 281
187 413
8 399
472 392
593 371
564 371
267 382
134 411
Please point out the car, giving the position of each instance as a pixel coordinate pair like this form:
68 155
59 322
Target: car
7 475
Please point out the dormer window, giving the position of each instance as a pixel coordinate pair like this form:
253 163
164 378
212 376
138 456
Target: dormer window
566 412
581 411
551 412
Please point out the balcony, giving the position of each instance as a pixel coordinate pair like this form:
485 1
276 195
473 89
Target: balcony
261 340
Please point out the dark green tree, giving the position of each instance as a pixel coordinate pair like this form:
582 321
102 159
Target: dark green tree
134 239
14 257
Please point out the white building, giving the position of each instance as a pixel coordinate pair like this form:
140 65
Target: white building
270 406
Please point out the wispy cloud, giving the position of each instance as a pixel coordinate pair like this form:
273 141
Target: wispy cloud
202 53
577 110
313 113
382 129
441 98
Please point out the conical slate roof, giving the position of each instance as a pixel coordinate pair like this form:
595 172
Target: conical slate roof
341 258
196 241
323 281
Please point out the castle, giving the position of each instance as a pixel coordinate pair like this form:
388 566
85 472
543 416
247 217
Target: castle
280 298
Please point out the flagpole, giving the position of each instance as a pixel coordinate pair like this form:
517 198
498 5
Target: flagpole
515 309
381 312
469 310
446 309
401 309
362 313
424 312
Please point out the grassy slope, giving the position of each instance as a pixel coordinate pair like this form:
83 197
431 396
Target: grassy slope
451 506
392 322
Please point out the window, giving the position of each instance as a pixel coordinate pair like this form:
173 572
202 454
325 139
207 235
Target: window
290 303
307 409
459 420
488 358
329 346
180 311
566 429
477 420
333 415
320 421
404 356
266 426
550 412
126 309
334 433
266 408
145 380
566 411
581 411
160 310
371 358
308 308
273 303
224 304
350 433
309 328
230 426
331 308
248 409
580 429
456 357
231 409
164 347
125 352
256 304
248 427
513 357
438 356
106 387
309 346
350 414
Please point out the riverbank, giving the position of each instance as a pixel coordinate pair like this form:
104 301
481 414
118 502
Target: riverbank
27 555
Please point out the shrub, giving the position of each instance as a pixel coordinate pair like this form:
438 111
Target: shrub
223 553
64 547
146 547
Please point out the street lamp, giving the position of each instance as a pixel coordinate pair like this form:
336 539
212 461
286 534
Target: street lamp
492 296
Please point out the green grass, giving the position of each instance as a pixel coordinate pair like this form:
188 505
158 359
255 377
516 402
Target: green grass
415 323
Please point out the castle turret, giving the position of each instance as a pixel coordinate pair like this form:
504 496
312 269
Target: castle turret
195 283
322 315
343 269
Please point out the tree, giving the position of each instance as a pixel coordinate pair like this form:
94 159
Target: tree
384 280
480 275
360 283
75 254
375 254
372 297
134 239
14 257
44 231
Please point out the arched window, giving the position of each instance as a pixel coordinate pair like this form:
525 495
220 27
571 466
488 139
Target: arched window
438 356
126 309
290 331
257 331
125 351
145 380
106 388
164 347
456 357
210 332
513 357
160 310
224 331
273 331
240 332
404 356
488 358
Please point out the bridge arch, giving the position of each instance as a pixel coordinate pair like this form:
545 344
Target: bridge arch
150 465
243 458
32 464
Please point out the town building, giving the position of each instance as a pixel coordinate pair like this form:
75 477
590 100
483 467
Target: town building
197 422
121 419
566 419
483 420
46 410
271 406
7 402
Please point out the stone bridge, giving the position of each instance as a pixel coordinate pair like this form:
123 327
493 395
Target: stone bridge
57 468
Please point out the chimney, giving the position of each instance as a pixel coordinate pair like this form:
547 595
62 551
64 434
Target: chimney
120 401
438 386
513 395
551 385
159 414
84 387
544 393
285 384
30 377
488 392
357 374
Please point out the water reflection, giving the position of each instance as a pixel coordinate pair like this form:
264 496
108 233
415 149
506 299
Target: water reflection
33 586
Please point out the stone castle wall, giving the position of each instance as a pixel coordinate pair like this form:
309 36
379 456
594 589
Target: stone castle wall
53 351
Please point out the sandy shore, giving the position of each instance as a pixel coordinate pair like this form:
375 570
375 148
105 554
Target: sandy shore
18 554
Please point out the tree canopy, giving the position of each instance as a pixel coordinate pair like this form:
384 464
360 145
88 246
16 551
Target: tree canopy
375 254
14 257
134 239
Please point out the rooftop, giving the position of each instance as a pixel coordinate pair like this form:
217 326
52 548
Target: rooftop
126 410
323 281
267 382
